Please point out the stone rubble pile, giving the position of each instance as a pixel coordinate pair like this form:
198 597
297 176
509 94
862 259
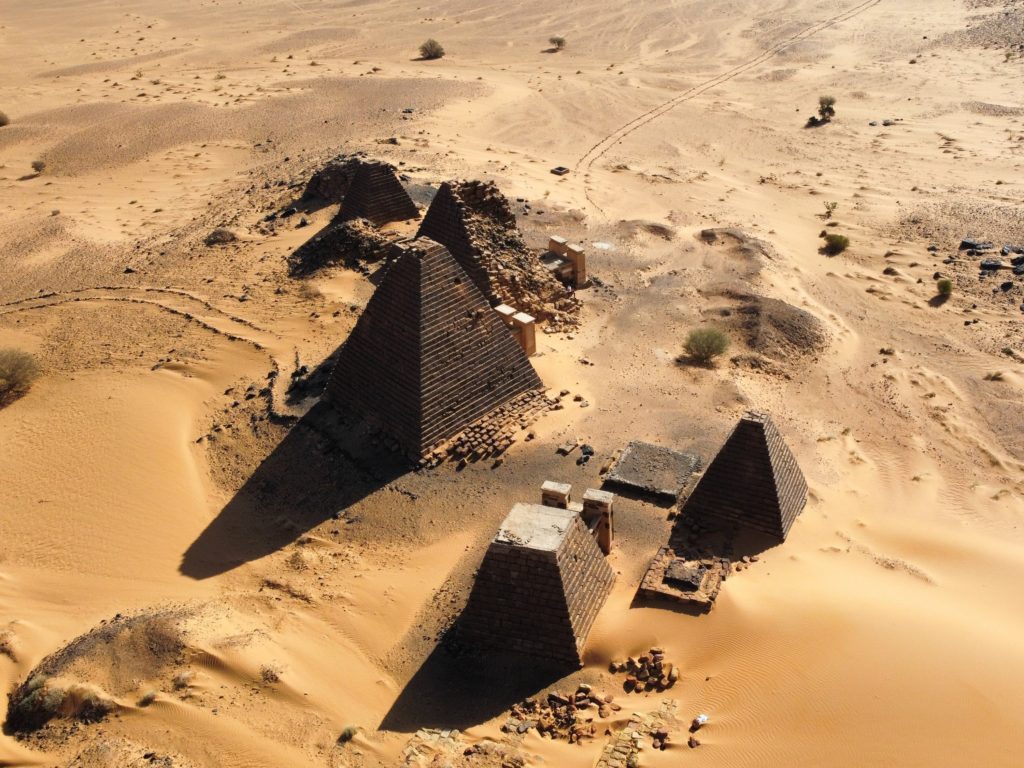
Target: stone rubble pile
562 715
648 672
492 435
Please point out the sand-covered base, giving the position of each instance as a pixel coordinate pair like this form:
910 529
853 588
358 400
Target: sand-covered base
234 577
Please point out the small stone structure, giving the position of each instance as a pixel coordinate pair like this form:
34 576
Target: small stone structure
474 221
567 261
752 483
540 585
522 325
376 194
654 470
597 514
694 583
428 357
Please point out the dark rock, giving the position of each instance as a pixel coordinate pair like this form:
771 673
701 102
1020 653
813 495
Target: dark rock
973 244
991 263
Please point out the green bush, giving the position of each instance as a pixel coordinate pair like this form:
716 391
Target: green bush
705 344
347 734
431 49
836 244
945 287
557 41
38 166
17 372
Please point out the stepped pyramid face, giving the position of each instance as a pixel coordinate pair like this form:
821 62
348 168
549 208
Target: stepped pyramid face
428 356
376 194
754 482
540 586
445 223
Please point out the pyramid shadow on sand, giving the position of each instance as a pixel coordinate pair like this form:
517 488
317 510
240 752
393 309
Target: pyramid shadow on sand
323 466
456 691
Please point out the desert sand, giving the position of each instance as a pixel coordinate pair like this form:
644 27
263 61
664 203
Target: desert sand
220 565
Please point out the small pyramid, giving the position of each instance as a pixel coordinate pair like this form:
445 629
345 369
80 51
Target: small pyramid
428 356
444 222
539 588
376 194
753 482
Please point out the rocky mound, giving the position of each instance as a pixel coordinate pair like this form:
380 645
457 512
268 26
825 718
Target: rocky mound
352 243
330 183
112 657
771 327
474 220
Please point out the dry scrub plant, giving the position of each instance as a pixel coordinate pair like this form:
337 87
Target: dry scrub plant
431 49
705 344
17 372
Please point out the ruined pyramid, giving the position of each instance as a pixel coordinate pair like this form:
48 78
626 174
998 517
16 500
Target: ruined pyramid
428 356
754 482
376 194
539 588
474 221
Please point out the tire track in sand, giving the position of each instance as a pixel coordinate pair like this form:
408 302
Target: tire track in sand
601 148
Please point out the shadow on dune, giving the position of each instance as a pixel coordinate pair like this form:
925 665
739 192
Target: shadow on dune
452 690
325 464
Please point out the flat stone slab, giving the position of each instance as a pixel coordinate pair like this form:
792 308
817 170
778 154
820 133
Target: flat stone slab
693 583
653 469
535 527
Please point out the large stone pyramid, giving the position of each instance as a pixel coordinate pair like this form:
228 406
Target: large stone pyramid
539 588
754 482
376 194
428 356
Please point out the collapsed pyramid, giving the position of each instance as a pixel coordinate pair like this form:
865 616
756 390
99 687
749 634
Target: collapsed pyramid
376 194
754 482
540 586
445 222
428 356
474 221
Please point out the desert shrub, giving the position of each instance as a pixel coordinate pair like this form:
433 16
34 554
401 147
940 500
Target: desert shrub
38 166
17 372
995 376
945 287
269 674
705 344
33 705
836 244
830 208
309 292
220 236
557 41
147 698
4 120
182 680
827 107
431 49
347 734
